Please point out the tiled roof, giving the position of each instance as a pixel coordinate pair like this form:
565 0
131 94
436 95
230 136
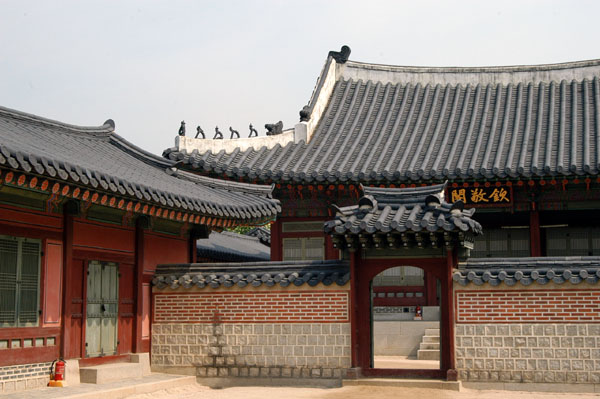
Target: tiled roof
384 217
97 158
263 234
232 247
388 124
256 274
510 271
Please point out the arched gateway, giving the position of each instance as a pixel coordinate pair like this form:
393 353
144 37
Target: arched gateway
412 227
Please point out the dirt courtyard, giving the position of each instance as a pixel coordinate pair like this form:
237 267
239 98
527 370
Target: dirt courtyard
350 392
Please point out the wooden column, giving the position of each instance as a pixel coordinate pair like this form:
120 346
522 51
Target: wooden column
69 212
535 241
276 241
141 224
354 308
192 250
448 361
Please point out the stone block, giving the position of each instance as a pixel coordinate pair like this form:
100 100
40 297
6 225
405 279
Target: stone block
201 371
223 372
254 372
212 372
554 364
286 372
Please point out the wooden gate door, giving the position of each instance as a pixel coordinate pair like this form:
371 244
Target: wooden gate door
102 309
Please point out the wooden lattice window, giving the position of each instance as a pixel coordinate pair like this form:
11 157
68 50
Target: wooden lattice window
572 241
502 243
304 248
19 281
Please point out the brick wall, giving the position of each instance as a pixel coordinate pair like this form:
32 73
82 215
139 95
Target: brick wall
252 307
554 306
24 376
525 334
254 333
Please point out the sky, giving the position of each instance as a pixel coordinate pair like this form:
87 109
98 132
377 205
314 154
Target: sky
150 64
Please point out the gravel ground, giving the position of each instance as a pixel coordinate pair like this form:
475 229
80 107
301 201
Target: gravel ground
351 392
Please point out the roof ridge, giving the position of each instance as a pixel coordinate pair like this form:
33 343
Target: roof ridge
265 190
471 69
237 235
107 128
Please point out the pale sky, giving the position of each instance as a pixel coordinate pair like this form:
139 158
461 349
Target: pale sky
150 64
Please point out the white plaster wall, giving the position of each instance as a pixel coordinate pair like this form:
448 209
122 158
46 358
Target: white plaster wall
189 144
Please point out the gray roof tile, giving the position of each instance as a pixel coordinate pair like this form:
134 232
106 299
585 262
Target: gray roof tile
232 247
269 274
525 271
487 123
98 158
392 213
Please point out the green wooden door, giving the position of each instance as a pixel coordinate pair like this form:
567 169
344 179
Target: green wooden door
102 309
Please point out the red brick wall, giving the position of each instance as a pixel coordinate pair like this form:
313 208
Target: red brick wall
252 307
527 306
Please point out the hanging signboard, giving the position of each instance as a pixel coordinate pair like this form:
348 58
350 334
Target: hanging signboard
493 195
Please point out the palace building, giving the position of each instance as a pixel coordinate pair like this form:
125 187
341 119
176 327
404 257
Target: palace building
381 176
85 217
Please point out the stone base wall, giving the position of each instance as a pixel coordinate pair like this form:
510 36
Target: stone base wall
24 376
528 352
299 350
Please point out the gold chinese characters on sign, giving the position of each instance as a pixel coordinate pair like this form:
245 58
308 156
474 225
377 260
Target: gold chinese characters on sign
481 195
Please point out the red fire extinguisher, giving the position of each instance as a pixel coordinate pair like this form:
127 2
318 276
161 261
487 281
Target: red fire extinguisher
58 366
418 311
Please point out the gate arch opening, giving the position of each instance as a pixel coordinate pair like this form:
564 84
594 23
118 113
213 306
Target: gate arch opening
405 319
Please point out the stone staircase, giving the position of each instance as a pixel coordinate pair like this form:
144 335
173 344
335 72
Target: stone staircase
137 367
430 345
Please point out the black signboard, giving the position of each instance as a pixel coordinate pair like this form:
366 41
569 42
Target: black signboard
492 195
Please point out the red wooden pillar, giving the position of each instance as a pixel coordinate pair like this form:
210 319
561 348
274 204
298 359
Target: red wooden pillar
447 328
69 210
276 241
534 233
354 308
193 251
140 233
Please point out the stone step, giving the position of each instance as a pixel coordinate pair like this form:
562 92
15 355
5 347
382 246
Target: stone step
104 373
153 384
405 383
428 354
427 339
429 345
432 332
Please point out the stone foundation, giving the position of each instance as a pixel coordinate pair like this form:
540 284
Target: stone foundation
536 352
24 376
280 350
